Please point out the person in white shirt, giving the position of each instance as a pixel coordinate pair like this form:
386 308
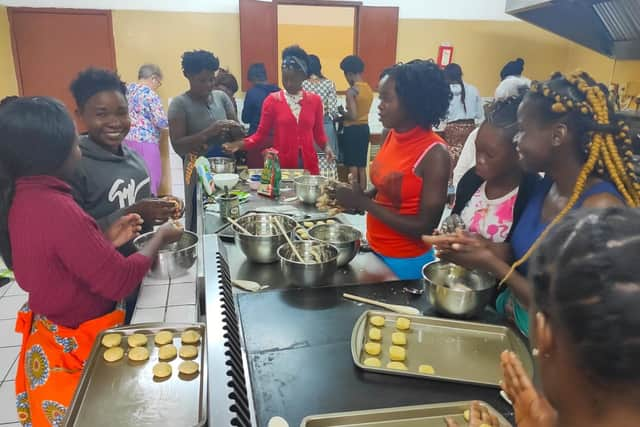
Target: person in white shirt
465 111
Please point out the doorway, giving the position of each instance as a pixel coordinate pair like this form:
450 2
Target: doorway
325 31
51 46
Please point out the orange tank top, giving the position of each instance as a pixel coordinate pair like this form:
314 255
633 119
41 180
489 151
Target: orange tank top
392 172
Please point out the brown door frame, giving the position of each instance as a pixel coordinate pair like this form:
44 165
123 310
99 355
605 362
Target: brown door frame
12 11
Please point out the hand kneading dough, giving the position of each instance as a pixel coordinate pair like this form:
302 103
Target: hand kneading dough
376 320
397 353
111 340
162 370
375 334
373 362
403 324
190 337
163 337
372 348
138 354
167 352
188 351
397 365
113 354
399 338
427 369
188 367
137 340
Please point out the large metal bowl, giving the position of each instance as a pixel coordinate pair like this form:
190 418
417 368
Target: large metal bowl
262 244
314 271
174 259
345 238
309 188
222 165
456 291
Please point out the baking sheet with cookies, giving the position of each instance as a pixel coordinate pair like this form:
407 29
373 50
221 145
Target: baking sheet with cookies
128 393
432 415
435 348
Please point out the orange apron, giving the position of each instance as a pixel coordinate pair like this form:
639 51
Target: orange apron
50 366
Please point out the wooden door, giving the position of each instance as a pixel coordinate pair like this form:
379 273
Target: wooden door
377 39
51 46
258 38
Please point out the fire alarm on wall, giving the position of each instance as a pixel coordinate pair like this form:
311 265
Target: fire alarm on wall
445 55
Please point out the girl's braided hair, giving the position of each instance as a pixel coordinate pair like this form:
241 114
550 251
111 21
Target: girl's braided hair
604 141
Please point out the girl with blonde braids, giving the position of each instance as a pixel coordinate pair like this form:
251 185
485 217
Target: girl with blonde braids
568 132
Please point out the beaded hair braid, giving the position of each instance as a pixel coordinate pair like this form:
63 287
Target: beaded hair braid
608 150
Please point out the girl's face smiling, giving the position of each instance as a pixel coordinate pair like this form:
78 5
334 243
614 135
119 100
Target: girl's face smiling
106 116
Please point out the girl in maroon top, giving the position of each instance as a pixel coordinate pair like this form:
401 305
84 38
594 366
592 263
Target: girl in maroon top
72 271
295 116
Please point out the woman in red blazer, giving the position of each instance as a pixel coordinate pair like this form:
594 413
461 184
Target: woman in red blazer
295 117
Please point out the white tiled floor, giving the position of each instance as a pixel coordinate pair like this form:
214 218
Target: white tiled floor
11 299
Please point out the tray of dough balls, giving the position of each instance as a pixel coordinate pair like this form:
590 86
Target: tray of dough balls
434 348
150 374
431 415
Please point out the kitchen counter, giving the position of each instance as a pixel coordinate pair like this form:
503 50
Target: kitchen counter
285 351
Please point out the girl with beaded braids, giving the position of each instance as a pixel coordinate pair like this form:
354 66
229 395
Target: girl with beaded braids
585 325
567 131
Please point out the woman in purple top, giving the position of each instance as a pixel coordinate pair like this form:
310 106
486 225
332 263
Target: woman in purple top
149 134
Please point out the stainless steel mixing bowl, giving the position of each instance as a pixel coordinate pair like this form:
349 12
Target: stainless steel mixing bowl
262 244
222 165
345 238
456 291
173 260
320 263
309 188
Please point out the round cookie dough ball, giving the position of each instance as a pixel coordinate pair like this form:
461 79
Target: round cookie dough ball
113 354
376 321
138 354
162 370
111 340
188 352
167 352
190 337
397 353
373 348
137 340
374 362
375 334
188 367
403 324
399 338
163 337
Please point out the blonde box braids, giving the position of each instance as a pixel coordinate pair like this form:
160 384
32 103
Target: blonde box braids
609 149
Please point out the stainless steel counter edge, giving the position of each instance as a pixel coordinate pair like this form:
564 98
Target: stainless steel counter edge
222 396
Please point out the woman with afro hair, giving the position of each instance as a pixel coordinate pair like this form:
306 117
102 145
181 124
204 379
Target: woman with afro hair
411 171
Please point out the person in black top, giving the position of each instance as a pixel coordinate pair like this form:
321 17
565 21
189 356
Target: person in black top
491 196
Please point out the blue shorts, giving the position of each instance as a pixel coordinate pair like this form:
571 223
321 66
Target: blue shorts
408 268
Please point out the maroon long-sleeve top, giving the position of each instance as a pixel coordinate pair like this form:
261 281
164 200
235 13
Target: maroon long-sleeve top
61 258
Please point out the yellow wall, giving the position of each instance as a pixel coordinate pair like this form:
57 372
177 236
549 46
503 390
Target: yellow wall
8 82
162 37
331 44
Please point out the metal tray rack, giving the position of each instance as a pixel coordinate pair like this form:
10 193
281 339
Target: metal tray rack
458 351
125 393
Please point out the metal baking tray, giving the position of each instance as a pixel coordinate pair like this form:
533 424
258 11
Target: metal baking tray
458 351
125 393
432 415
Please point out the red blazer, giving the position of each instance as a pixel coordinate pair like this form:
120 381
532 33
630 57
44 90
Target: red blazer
289 136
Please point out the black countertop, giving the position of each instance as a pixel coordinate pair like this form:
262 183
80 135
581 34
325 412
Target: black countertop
297 344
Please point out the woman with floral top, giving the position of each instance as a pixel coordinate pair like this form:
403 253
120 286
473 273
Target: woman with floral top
149 134
326 90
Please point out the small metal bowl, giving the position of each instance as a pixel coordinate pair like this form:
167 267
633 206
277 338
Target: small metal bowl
261 246
174 259
309 188
314 271
456 291
222 165
345 238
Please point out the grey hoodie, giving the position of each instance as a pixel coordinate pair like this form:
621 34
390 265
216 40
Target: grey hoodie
106 183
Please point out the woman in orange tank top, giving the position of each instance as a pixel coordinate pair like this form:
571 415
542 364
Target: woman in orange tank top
411 171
